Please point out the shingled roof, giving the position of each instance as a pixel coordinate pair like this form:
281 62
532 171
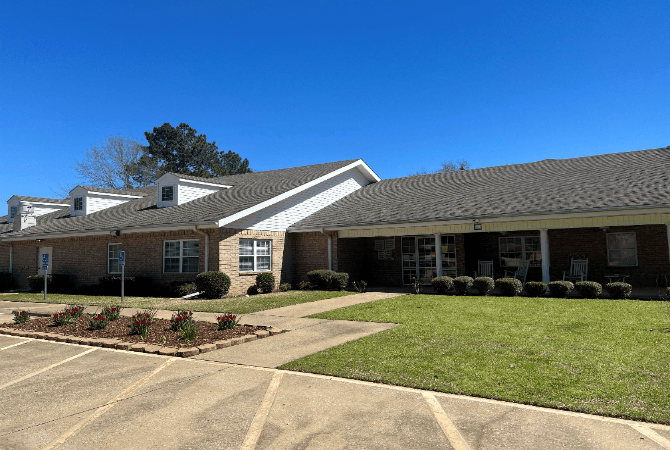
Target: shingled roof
43 200
247 190
603 182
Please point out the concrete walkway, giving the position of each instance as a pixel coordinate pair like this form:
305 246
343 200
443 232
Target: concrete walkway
65 396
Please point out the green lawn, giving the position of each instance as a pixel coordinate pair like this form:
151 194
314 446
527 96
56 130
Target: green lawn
607 357
238 305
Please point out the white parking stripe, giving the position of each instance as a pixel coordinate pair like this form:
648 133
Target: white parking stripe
13 345
47 368
651 434
258 423
450 431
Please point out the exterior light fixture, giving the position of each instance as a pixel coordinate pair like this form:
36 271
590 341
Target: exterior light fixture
478 225
115 233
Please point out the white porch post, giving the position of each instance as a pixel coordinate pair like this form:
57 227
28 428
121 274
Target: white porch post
544 248
438 253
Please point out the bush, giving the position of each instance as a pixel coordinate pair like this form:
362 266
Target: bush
442 285
463 285
327 279
285 287
535 288
179 289
509 287
560 288
227 321
619 290
304 285
265 282
589 289
484 285
339 281
21 316
253 290
7 281
212 284
36 283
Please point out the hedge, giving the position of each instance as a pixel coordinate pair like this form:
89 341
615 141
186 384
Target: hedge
509 287
442 285
484 285
463 285
212 284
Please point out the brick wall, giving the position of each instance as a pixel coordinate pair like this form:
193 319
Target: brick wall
310 252
229 261
4 257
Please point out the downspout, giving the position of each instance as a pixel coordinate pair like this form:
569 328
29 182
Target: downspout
330 249
195 229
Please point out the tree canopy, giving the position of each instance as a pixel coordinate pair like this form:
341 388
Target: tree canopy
447 166
110 163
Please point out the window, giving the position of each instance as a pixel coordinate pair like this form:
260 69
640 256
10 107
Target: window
255 255
513 250
180 257
113 258
79 203
12 212
621 249
167 193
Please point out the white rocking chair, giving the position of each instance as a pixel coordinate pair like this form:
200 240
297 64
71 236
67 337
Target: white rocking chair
579 269
521 272
484 269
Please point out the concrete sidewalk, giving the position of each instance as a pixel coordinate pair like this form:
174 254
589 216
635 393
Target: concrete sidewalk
65 396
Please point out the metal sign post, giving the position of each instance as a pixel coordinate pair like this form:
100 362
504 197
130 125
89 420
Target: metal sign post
45 267
122 263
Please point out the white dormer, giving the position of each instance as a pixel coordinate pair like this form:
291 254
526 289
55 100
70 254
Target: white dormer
41 206
172 189
85 200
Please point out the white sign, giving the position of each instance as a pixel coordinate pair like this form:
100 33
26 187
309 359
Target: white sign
122 258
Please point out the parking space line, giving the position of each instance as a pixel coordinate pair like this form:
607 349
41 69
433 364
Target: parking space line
651 434
450 431
258 423
30 375
13 345
100 411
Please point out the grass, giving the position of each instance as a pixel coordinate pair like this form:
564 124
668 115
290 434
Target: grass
606 357
237 305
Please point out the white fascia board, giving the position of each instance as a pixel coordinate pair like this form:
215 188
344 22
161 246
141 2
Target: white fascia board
176 178
368 172
60 205
123 230
187 181
356 164
107 194
491 219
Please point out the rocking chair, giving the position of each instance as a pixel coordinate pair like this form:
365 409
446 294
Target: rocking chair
521 272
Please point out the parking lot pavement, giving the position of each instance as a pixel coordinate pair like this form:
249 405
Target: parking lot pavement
65 396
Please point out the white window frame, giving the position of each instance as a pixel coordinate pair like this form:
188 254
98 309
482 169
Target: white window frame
255 255
81 203
163 189
109 258
181 254
523 250
637 262
13 210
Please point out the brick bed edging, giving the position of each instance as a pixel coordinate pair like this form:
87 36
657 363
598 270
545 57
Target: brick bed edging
141 346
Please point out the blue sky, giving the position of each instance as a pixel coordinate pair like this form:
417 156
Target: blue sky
403 85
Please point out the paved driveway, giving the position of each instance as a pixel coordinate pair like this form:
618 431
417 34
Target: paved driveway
56 395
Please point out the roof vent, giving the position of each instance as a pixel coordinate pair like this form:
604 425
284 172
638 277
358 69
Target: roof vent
24 216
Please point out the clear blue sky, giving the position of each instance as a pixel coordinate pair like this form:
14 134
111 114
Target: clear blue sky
401 85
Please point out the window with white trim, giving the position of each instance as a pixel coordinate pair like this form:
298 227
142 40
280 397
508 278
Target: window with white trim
181 256
167 193
78 203
113 258
12 211
255 255
621 249
515 249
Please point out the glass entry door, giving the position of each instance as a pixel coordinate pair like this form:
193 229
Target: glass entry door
418 259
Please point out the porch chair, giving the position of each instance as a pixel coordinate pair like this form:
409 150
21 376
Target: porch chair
579 270
521 272
484 269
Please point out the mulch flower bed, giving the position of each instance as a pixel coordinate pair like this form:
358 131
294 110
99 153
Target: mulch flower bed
159 336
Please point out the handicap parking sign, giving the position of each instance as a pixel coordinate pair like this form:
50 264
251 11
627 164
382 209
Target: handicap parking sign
122 258
45 258
45 266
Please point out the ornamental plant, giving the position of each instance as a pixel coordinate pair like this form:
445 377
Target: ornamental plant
61 318
227 321
484 285
141 322
589 289
560 288
98 322
111 313
188 331
265 282
535 288
285 287
463 284
21 316
509 287
442 285
75 311
619 290
212 284
180 319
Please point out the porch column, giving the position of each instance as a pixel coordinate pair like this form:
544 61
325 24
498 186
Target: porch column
544 249
438 253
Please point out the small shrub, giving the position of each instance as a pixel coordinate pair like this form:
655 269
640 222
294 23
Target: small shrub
227 321
188 331
75 310
111 285
484 285
360 286
619 290
142 287
61 318
111 313
339 281
21 316
509 287
253 290
463 285
442 285
589 289
265 282
141 322
304 285
7 281
212 284
98 322
535 288
560 288
180 319
36 283
320 279
179 289
284 287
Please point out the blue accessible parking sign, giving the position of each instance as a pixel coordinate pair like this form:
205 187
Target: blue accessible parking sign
122 258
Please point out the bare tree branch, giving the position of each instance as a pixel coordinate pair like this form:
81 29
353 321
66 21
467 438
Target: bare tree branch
111 164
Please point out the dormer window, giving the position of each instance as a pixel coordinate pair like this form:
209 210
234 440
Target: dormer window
12 211
79 203
167 193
